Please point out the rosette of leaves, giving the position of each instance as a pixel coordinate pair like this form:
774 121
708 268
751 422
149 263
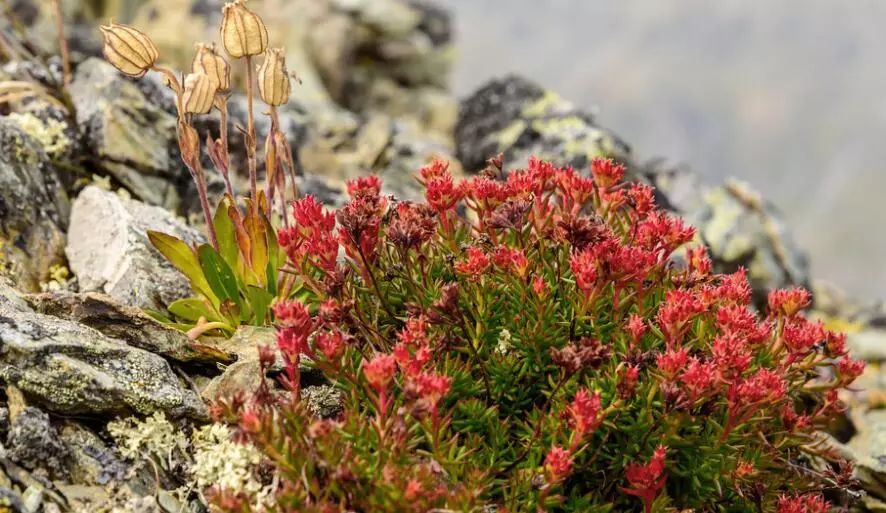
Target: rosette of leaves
233 285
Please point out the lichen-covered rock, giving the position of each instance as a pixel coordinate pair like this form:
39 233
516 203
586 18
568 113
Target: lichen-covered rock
743 230
89 461
324 401
132 137
33 443
33 209
121 322
67 368
118 258
244 375
517 118
869 451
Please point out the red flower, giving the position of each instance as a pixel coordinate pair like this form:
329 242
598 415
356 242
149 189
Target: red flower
763 387
380 371
539 286
606 172
642 198
585 413
740 321
432 387
558 463
364 186
584 267
672 361
636 327
699 378
474 265
436 169
662 232
484 193
415 332
731 356
646 480
698 261
509 259
803 504
679 307
331 344
311 239
801 335
849 369
789 301
575 189
442 194
733 288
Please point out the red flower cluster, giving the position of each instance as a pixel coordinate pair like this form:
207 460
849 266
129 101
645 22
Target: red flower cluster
512 352
803 504
646 480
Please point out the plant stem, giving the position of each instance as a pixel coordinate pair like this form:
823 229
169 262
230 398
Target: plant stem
223 134
250 133
62 43
200 178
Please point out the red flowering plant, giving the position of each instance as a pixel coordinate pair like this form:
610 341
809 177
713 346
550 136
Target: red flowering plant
539 349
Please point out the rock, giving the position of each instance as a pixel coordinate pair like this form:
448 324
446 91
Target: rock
70 369
324 401
121 322
10 500
132 137
869 451
741 229
519 119
244 375
868 345
89 461
118 259
33 443
33 209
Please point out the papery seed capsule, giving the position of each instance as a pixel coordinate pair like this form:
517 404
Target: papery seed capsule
273 79
243 33
208 62
199 93
128 49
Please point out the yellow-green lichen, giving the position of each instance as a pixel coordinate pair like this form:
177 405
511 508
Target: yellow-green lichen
50 134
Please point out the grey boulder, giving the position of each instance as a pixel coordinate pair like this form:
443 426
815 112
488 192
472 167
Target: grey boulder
70 369
109 251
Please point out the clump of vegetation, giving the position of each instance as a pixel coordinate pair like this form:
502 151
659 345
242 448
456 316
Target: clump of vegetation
236 276
526 343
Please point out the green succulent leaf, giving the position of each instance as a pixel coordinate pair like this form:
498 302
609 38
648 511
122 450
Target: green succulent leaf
182 257
218 274
192 309
225 232
260 301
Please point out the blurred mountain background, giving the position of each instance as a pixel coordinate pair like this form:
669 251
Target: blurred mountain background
788 96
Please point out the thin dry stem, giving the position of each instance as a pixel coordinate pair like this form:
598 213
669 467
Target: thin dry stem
222 106
62 43
250 132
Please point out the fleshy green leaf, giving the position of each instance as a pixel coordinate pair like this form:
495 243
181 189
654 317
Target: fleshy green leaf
225 232
182 257
192 309
218 274
260 300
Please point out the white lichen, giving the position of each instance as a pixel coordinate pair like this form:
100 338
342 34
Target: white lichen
221 461
154 437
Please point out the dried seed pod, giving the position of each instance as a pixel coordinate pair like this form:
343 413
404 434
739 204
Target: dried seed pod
208 62
273 79
128 49
243 33
199 93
